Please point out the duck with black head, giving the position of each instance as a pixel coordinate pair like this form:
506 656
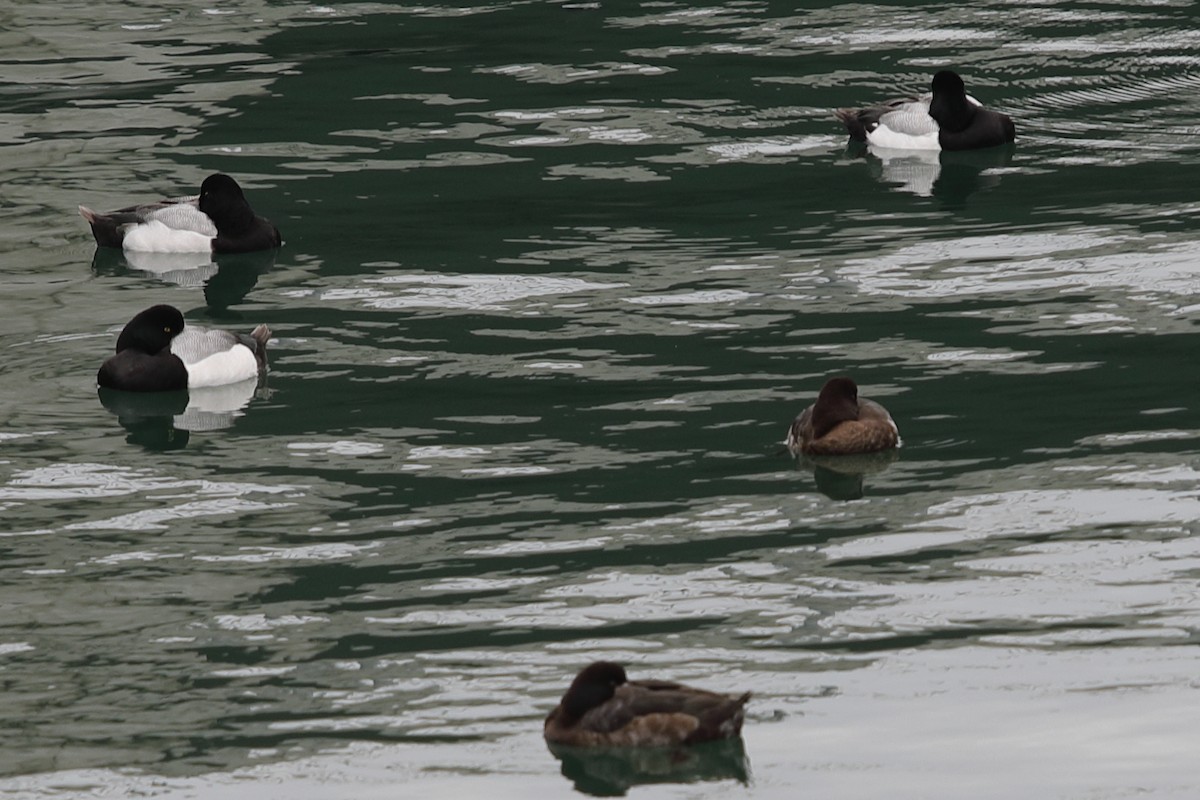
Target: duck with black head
218 220
603 708
842 423
157 352
946 118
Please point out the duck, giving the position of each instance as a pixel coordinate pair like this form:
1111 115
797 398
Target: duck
946 118
842 423
218 220
602 708
157 352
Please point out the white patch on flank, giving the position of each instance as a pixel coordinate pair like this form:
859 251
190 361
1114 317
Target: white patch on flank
883 136
155 237
229 366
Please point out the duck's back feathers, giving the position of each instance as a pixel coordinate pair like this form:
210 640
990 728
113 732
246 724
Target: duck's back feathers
643 714
216 357
842 423
907 116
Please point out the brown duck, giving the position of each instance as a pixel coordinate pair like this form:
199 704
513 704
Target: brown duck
602 708
842 423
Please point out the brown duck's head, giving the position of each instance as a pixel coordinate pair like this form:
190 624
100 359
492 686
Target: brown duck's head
837 403
595 684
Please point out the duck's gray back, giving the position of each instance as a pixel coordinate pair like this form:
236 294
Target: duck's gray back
197 343
185 216
910 118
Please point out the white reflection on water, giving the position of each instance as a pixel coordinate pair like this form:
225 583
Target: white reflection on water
471 292
1028 512
172 499
1156 271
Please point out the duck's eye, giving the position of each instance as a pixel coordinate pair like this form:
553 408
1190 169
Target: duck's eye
167 329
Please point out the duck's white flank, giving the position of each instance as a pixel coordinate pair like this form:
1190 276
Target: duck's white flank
229 366
884 136
156 237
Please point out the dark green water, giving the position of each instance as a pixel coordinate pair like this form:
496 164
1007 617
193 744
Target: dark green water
556 277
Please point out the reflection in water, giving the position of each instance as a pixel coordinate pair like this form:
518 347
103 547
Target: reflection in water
951 176
237 274
147 416
612 771
841 477
226 278
163 420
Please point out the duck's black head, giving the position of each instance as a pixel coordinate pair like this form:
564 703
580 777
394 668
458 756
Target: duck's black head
595 684
222 200
837 403
151 330
950 107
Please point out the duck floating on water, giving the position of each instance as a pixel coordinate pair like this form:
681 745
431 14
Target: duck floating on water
218 220
156 352
947 118
842 423
602 708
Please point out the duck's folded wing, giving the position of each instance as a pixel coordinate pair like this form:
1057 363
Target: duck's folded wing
197 343
185 216
910 119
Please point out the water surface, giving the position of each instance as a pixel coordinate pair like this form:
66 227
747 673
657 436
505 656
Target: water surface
556 276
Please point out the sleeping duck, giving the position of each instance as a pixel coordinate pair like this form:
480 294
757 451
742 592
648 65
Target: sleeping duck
156 352
602 708
218 220
842 423
947 118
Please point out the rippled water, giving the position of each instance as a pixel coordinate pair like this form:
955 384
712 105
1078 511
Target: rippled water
556 276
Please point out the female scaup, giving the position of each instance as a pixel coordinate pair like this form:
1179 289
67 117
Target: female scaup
156 352
842 423
219 220
604 709
945 119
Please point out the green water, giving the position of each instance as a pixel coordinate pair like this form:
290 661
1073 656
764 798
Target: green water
556 277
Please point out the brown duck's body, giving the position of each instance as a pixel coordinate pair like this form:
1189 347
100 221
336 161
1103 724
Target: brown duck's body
603 709
842 423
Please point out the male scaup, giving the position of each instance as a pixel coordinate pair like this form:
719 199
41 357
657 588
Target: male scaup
602 708
218 220
842 423
156 352
945 119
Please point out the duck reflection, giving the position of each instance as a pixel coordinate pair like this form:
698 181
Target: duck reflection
613 771
226 278
841 477
949 175
165 420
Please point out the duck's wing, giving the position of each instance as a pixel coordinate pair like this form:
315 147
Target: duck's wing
870 410
861 121
176 214
909 118
639 699
182 216
800 430
197 343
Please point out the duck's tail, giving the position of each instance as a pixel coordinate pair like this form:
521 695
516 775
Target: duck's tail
105 228
261 335
855 124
